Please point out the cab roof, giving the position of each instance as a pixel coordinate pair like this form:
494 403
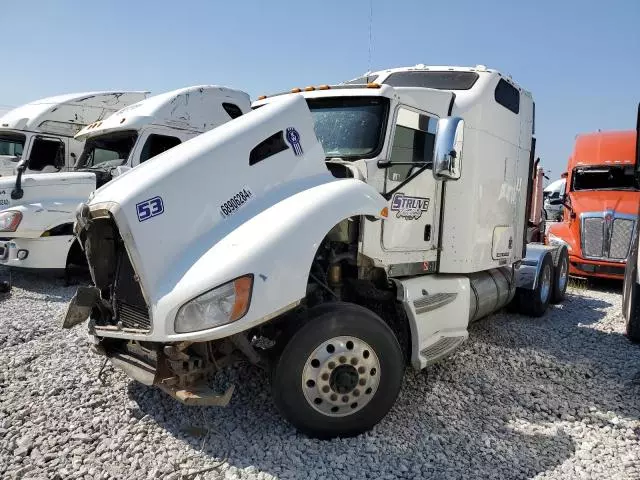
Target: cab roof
190 108
66 114
604 148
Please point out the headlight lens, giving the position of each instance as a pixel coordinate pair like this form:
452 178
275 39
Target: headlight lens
224 304
9 220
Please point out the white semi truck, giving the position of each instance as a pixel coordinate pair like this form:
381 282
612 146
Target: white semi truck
631 285
41 133
335 235
37 211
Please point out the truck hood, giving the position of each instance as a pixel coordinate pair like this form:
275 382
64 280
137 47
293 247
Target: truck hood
49 199
173 208
619 201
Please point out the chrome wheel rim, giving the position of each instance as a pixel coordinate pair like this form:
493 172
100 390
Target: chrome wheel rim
341 376
545 286
564 274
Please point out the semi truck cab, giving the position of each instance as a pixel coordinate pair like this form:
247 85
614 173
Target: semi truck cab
335 235
37 211
39 137
600 204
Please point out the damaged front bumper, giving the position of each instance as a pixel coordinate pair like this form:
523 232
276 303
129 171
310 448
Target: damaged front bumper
180 369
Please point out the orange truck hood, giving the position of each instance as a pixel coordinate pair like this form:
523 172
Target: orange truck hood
620 201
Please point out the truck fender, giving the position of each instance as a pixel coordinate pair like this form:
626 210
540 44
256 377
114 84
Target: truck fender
529 270
277 246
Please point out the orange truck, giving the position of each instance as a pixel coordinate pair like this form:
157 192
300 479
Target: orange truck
601 201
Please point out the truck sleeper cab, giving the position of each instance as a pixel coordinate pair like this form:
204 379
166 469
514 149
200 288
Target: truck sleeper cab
357 229
600 205
40 134
42 237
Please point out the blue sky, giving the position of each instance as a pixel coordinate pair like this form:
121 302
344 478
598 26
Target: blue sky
580 59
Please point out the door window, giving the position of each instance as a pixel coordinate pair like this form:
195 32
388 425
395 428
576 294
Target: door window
46 152
156 144
413 144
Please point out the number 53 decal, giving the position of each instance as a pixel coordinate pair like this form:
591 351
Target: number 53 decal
149 208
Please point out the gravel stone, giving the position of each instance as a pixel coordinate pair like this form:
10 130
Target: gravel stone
549 398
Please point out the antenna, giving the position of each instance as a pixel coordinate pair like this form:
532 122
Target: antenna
370 42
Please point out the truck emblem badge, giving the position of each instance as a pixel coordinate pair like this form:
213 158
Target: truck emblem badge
149 208
294 139
410 208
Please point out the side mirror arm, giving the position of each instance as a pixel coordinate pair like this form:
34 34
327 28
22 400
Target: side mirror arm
17 193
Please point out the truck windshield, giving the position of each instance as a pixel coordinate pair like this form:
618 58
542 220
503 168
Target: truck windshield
349 127
11 144
605 178
108 150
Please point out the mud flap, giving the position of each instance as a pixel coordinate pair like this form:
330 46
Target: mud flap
80 306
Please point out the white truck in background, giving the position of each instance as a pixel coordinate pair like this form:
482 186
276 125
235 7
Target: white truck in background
631 285
41 133
335 234
37 212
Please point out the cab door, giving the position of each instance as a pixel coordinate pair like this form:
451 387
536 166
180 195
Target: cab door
412 222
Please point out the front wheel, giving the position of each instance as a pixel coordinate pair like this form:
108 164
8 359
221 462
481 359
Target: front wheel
340 372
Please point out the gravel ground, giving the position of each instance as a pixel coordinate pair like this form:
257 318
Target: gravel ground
557 397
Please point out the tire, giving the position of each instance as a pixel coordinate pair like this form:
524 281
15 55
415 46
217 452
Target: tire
534 303
631 295
342 352
560 277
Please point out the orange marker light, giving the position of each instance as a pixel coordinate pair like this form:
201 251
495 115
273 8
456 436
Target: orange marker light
309 89
262 97
295 90
384 212
324 87
373 85
243 287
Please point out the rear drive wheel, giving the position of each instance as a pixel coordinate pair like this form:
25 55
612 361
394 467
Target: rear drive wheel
535 302
631 296
560 277
340 372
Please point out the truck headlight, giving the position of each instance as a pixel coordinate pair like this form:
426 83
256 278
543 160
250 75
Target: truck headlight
224 304
9 220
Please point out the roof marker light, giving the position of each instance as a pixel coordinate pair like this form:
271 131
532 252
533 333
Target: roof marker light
309 89
373 85
262 97
324 87
295 90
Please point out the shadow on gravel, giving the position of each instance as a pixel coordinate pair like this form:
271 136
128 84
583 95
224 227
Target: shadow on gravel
422 437
42 284
576 353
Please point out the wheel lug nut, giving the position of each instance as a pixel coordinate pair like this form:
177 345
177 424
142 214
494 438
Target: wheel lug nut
361 370
343 359
362 381
345 399
356 392
354 361
325 376
326 389
332 365
334 397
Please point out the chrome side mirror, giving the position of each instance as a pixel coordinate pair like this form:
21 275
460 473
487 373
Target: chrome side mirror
447 157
